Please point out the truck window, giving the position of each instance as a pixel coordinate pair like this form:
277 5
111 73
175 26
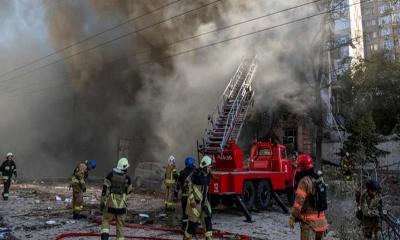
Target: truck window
264 152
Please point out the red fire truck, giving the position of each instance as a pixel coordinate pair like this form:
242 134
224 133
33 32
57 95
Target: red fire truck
267 171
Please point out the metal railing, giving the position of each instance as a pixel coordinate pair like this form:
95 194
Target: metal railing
236 97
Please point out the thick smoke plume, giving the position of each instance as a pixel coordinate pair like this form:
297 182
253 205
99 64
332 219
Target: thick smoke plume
162 107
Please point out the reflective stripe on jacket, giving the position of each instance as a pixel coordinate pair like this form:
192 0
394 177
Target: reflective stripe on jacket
78 178
170 176
198 206
116 188
303 208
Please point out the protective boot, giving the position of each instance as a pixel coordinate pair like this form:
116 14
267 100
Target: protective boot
5 196
104 236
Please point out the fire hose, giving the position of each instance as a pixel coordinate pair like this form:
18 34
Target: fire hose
218 234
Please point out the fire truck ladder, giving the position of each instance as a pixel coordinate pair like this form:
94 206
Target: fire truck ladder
226 122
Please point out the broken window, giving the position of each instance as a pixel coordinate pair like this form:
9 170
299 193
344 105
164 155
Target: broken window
290 139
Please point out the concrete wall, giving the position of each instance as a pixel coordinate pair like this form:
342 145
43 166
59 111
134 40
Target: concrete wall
388 162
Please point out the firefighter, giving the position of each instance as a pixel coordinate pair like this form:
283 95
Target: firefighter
170 178
198 208
312 222
78 185
117 185
346 165
182 186
371 208
8 169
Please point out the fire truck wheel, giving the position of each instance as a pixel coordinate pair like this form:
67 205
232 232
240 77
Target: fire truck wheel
263 195
228 200
214 201
248 194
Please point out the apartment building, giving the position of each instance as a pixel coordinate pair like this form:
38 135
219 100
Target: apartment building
381 27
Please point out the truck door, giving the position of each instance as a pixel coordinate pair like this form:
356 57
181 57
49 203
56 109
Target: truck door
262 159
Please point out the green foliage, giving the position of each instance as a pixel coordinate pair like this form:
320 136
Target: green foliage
363 140
374 86
371 92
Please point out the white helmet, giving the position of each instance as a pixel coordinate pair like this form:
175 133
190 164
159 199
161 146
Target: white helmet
171 160
205 161
10 154
123 164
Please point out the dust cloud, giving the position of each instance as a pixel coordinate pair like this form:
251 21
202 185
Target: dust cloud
160 108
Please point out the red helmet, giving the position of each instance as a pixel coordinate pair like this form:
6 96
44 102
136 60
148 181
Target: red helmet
304 162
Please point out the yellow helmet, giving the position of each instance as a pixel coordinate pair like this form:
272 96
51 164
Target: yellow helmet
205 161
123 164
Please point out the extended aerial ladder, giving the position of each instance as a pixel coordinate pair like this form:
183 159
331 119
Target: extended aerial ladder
226 122
248 184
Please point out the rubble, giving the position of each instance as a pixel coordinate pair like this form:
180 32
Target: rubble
32 220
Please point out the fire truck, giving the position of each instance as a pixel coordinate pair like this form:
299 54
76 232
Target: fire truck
253 182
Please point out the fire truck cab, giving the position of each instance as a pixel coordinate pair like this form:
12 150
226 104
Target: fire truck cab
267 170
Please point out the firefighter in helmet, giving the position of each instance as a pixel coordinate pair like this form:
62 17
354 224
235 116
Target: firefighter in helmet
170 178
312 221
8 169
347 166
78 184
371 206
181 185
116 187
198 208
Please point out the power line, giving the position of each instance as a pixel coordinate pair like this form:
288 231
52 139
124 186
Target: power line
236 24
240 36
233 25
35 91
89 38
179 41
247 34
113 40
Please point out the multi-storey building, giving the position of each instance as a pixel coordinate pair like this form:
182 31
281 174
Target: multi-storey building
381 27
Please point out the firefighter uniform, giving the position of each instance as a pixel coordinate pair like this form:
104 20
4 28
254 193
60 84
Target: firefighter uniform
181 185
312 221
78 185
171 175
116 187
346 165
371 206
8 169
198 207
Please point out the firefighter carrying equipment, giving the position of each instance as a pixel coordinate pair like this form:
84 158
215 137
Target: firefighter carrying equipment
171 175
8 168
123 164
305 209
78 185
371 207
198 208
116 188
182 185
